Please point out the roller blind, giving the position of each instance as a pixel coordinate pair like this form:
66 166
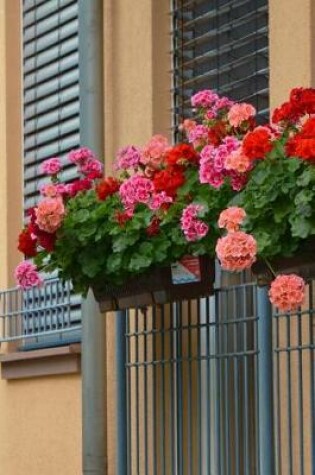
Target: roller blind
51 128
221 45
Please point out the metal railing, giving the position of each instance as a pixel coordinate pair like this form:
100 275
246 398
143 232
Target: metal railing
39 317
220 386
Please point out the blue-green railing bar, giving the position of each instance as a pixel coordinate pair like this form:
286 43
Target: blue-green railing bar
93 322
121 391
265 383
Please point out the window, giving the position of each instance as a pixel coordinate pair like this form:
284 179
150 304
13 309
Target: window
51 109
221 45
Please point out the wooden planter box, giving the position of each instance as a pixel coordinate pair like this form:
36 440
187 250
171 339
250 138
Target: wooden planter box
158 287
303 264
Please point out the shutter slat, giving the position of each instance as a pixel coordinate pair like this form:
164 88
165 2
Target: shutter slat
48 10
52 38
55 69
58 100
34 125
54 54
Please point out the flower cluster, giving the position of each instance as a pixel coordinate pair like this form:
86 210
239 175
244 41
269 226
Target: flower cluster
303 143
51 166
287 292
193 228
27 276
166 201
231 218
301 102
237 250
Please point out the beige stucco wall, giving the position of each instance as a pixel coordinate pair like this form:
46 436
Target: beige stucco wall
40 419
137 105
292 47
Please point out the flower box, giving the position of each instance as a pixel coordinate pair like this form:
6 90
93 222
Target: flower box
303 264
192 277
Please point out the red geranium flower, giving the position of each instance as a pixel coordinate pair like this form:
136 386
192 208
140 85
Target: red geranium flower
217 133
79 185
107 187
182 154
303 99
257 143
47 240
44 239
122 217
169 180
154 227
27 243
287 112
303 144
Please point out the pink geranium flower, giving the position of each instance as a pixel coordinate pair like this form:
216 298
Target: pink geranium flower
52 166
136 189
128 157
193 228
287 292
91 165
80 155
204 99
26 275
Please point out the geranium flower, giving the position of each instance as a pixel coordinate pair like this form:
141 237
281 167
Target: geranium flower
49 214
287 292
257 144
231 218
27 243
26 275
107 187
236 251
52 166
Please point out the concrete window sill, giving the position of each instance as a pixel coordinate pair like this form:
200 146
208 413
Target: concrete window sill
45 362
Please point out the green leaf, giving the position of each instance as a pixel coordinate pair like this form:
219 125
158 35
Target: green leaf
82 215
124 241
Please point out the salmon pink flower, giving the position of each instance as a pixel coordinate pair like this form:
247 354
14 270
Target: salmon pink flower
153 152
231 218
49 214
240 112
238 161
236 251
287 292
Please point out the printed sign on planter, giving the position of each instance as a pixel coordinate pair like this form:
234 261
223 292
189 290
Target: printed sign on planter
186 270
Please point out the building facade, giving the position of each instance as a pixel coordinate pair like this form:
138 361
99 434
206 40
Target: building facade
155 54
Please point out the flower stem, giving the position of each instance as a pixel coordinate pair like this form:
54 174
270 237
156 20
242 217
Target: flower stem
270 268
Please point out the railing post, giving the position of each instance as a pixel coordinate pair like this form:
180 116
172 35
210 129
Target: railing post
265 384
91 87
121 391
